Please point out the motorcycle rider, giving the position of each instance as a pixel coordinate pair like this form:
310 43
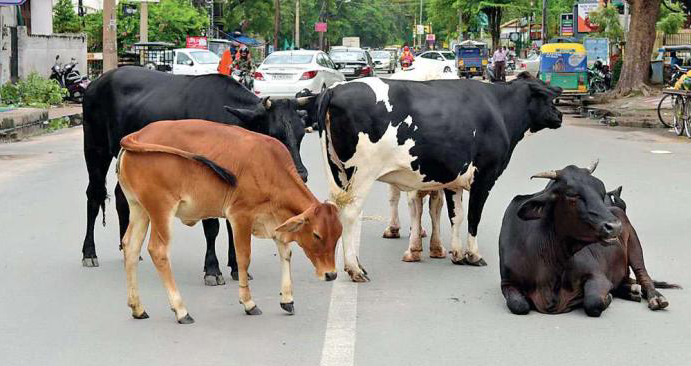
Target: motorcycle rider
243 60
407 56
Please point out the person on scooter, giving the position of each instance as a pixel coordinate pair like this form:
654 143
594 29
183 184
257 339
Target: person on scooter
243 60
407 57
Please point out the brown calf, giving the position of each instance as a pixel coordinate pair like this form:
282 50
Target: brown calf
196 170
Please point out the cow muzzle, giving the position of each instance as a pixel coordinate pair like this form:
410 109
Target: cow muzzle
610 231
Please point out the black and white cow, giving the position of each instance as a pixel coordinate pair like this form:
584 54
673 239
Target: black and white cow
451 134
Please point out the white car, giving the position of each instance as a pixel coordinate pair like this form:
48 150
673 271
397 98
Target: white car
193 61
285 73
444 60
530 64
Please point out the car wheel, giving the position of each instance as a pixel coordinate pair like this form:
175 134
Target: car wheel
447 69
150 66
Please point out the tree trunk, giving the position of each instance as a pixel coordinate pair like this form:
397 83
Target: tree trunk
494 20
277 22
639 47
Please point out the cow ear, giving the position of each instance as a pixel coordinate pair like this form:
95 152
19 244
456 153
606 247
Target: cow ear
535 207
617 192
292 225
537 87
244 115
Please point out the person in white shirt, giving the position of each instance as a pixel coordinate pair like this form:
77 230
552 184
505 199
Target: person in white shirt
499 58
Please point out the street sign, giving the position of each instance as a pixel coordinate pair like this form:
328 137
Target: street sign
320 27
431 37
420 29
196 42
566 26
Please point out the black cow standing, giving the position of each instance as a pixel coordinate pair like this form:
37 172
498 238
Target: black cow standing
452 134
571 245
124 100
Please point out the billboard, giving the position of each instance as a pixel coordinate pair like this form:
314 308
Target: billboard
320 27
196 42
584 9
566 27
597 48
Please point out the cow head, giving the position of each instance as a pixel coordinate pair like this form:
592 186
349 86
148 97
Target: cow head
280 120
614 199
317 231
542 112
574 202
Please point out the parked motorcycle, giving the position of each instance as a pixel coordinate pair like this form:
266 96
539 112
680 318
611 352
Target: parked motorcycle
599 78
69 78
243 77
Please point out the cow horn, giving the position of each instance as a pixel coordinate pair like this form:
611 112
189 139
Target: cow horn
267 103
303 101
592 166
552 174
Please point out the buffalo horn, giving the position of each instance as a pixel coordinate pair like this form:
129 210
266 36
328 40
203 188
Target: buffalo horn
592 166
552 174
267 103
303 101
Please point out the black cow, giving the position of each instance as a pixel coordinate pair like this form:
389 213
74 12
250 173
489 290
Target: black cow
571 245
124 100
452 134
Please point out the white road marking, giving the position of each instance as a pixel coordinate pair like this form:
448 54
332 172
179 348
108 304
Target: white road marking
660 152
339 338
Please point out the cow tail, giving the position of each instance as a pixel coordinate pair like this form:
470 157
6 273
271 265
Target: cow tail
323 101
663 284
130 143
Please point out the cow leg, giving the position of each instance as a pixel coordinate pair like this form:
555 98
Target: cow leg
635 259
242 237
436 201
454 204
159 247
212 272
479 191
286 280
415 242
232 258
123 210
97 164
515 300
628 291
350 219
132 246
596 296
394 228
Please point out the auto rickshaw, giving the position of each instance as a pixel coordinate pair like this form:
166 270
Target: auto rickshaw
565 65
471 58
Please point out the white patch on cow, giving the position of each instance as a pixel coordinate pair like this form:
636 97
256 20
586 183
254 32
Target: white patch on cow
408 120
337 84
456 244
474 131
380 89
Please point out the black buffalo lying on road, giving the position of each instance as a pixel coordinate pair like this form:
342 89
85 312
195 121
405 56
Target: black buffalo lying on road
571 245
452 134
124 100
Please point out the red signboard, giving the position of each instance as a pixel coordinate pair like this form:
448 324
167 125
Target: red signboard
430 37
196 42
320 27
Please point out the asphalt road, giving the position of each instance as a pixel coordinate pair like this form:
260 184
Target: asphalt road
55 312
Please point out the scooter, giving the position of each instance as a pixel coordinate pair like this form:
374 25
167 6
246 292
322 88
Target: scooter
243 77
69 78
406 64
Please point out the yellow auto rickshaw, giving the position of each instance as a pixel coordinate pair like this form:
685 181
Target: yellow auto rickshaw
565 65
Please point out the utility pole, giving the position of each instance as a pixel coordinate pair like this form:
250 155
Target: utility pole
277 22
110 41
544 21
421 36
143 21
297 23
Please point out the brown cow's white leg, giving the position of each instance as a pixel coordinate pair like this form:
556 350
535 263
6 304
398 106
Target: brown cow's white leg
159 245
415 243
457 252
394 228
286 280
132 245
436 201
242 236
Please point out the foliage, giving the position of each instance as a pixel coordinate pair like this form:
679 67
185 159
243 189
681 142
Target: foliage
670 22
608 26
58 123
34 91
65 19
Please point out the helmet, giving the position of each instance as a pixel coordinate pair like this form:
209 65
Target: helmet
598 64
244 50
406 49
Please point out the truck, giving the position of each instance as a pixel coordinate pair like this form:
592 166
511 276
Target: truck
353 42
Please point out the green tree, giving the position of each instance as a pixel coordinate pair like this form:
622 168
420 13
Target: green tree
670 22
65 19
608 26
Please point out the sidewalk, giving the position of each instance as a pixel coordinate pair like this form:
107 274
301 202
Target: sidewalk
18 123
638 111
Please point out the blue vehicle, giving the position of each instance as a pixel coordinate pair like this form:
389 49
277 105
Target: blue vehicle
471 58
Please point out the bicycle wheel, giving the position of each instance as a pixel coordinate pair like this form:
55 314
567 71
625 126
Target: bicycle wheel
679 104
687 119
665 118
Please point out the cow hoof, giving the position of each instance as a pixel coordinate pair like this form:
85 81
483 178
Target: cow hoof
214 280
413 256
236 276
187 319
143 315
392 233
90 262
657 302
437 252
288 307
254 311
457 258
479 263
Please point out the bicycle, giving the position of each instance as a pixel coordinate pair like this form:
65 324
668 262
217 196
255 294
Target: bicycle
678 72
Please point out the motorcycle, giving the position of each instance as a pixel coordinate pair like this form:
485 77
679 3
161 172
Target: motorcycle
69 78
406 64
245 78
599 79
510 65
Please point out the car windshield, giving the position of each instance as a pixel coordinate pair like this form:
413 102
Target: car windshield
449 55
288 59
381 55
348 56
205 57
